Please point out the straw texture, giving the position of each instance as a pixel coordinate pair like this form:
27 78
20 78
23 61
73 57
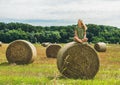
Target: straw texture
100 47
21 52
52 50
76 60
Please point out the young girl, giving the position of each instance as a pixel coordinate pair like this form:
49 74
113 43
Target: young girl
80 32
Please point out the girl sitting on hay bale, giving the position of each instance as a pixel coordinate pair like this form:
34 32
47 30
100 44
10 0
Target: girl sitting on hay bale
80 32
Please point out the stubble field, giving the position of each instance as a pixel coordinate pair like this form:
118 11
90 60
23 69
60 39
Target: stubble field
44 70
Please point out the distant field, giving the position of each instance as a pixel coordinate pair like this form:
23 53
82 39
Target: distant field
44 70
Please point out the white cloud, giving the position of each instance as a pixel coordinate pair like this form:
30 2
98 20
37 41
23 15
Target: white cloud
91 11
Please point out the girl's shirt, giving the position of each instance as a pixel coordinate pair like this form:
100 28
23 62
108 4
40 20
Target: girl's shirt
80 32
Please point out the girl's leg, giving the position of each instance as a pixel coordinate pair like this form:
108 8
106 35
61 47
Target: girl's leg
77 39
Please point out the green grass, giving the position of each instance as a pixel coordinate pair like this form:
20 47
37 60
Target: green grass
27 74
49 75
44 70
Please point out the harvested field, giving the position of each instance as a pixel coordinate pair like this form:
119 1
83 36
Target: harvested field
43 71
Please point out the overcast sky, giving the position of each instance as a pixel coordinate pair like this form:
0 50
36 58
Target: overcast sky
61 12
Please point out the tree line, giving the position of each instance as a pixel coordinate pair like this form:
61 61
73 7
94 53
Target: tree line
59 34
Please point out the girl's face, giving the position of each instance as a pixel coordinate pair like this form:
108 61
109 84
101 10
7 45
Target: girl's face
79 23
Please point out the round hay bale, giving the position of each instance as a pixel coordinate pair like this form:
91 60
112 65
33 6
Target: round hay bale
52 50
0 43
21 52
100 47
76 60
45 44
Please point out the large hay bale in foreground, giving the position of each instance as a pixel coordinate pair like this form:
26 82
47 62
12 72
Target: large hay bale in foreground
100 47
76 60
52 50
21 52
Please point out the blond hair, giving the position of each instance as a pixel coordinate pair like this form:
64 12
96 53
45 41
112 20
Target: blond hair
80 23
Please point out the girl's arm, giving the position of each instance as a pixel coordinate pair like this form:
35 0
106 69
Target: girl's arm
85 27
76 33
85 39
85 34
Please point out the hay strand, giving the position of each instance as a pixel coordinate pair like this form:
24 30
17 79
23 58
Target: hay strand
21 52
100 47
76 60
52 50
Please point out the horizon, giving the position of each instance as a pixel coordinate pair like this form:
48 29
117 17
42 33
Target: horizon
24 22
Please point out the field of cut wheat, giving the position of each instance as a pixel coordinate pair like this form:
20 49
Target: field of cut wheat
43 71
